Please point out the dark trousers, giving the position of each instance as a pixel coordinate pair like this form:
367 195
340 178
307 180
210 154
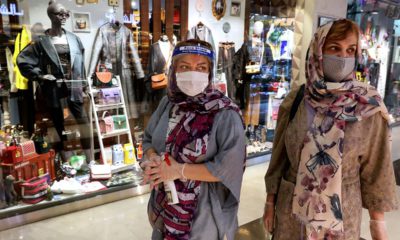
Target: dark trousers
26 108
225 65
77 110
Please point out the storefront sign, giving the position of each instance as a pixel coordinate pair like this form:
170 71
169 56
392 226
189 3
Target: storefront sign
126 19
130 19
12 11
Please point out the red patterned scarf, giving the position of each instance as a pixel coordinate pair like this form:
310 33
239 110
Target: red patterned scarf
189 126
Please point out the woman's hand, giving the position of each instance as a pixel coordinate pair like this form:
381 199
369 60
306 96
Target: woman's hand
378 230
159 171
269 215
151 160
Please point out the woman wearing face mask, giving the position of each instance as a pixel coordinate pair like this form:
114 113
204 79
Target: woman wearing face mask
331 153
201 132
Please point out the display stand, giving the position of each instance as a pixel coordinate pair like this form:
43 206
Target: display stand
96 108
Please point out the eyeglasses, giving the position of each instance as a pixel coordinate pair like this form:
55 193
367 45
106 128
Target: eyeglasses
62 14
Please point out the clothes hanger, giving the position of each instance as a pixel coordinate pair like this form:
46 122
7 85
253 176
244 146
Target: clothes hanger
114 20
200 24
164 38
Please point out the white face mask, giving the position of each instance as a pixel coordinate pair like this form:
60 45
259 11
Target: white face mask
192 83
337 68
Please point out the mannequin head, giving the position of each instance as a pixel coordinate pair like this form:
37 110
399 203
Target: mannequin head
57 13
258 28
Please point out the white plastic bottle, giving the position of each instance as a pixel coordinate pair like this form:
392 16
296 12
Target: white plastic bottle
170 190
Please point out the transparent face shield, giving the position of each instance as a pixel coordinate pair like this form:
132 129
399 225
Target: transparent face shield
191 61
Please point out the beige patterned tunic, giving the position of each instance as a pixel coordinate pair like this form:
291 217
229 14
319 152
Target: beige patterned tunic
368 176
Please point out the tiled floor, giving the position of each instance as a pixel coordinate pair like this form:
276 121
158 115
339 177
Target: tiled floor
127 219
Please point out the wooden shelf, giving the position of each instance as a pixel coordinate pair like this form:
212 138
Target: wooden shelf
115 133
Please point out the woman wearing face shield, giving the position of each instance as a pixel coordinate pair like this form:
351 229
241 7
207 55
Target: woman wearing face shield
195 138
331 153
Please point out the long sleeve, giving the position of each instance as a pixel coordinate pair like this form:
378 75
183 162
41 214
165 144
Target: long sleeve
190 33
238 64
279 160
137 65
97 48
152 126
10 66
29 63
229 161
211 39
83 69
152 68
378 187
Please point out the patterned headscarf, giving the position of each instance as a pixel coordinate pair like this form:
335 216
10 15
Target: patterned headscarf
317 199
190 123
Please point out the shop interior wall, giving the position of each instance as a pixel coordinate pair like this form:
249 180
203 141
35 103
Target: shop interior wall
36 11
329 8
237 23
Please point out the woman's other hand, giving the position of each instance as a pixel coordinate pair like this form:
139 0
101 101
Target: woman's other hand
268 218
378 230
161 172
151 160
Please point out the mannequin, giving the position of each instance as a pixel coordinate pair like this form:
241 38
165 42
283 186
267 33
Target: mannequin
247 63
56 61
256 43
159 60
114 48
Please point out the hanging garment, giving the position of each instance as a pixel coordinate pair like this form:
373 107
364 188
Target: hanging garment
242 58
114 47
281 42
21 86
225 65
22 40
5 69
10 67
201 32
286 45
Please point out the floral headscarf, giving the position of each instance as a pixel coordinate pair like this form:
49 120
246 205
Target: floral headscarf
317 199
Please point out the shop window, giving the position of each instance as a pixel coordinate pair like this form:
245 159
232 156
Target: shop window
379 65
266 77
53 124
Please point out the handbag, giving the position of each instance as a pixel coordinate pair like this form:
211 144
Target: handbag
119 122
35 190
106 123
159 81
109 96
98 172
102 76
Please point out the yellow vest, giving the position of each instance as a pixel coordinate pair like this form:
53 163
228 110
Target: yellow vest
22 40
